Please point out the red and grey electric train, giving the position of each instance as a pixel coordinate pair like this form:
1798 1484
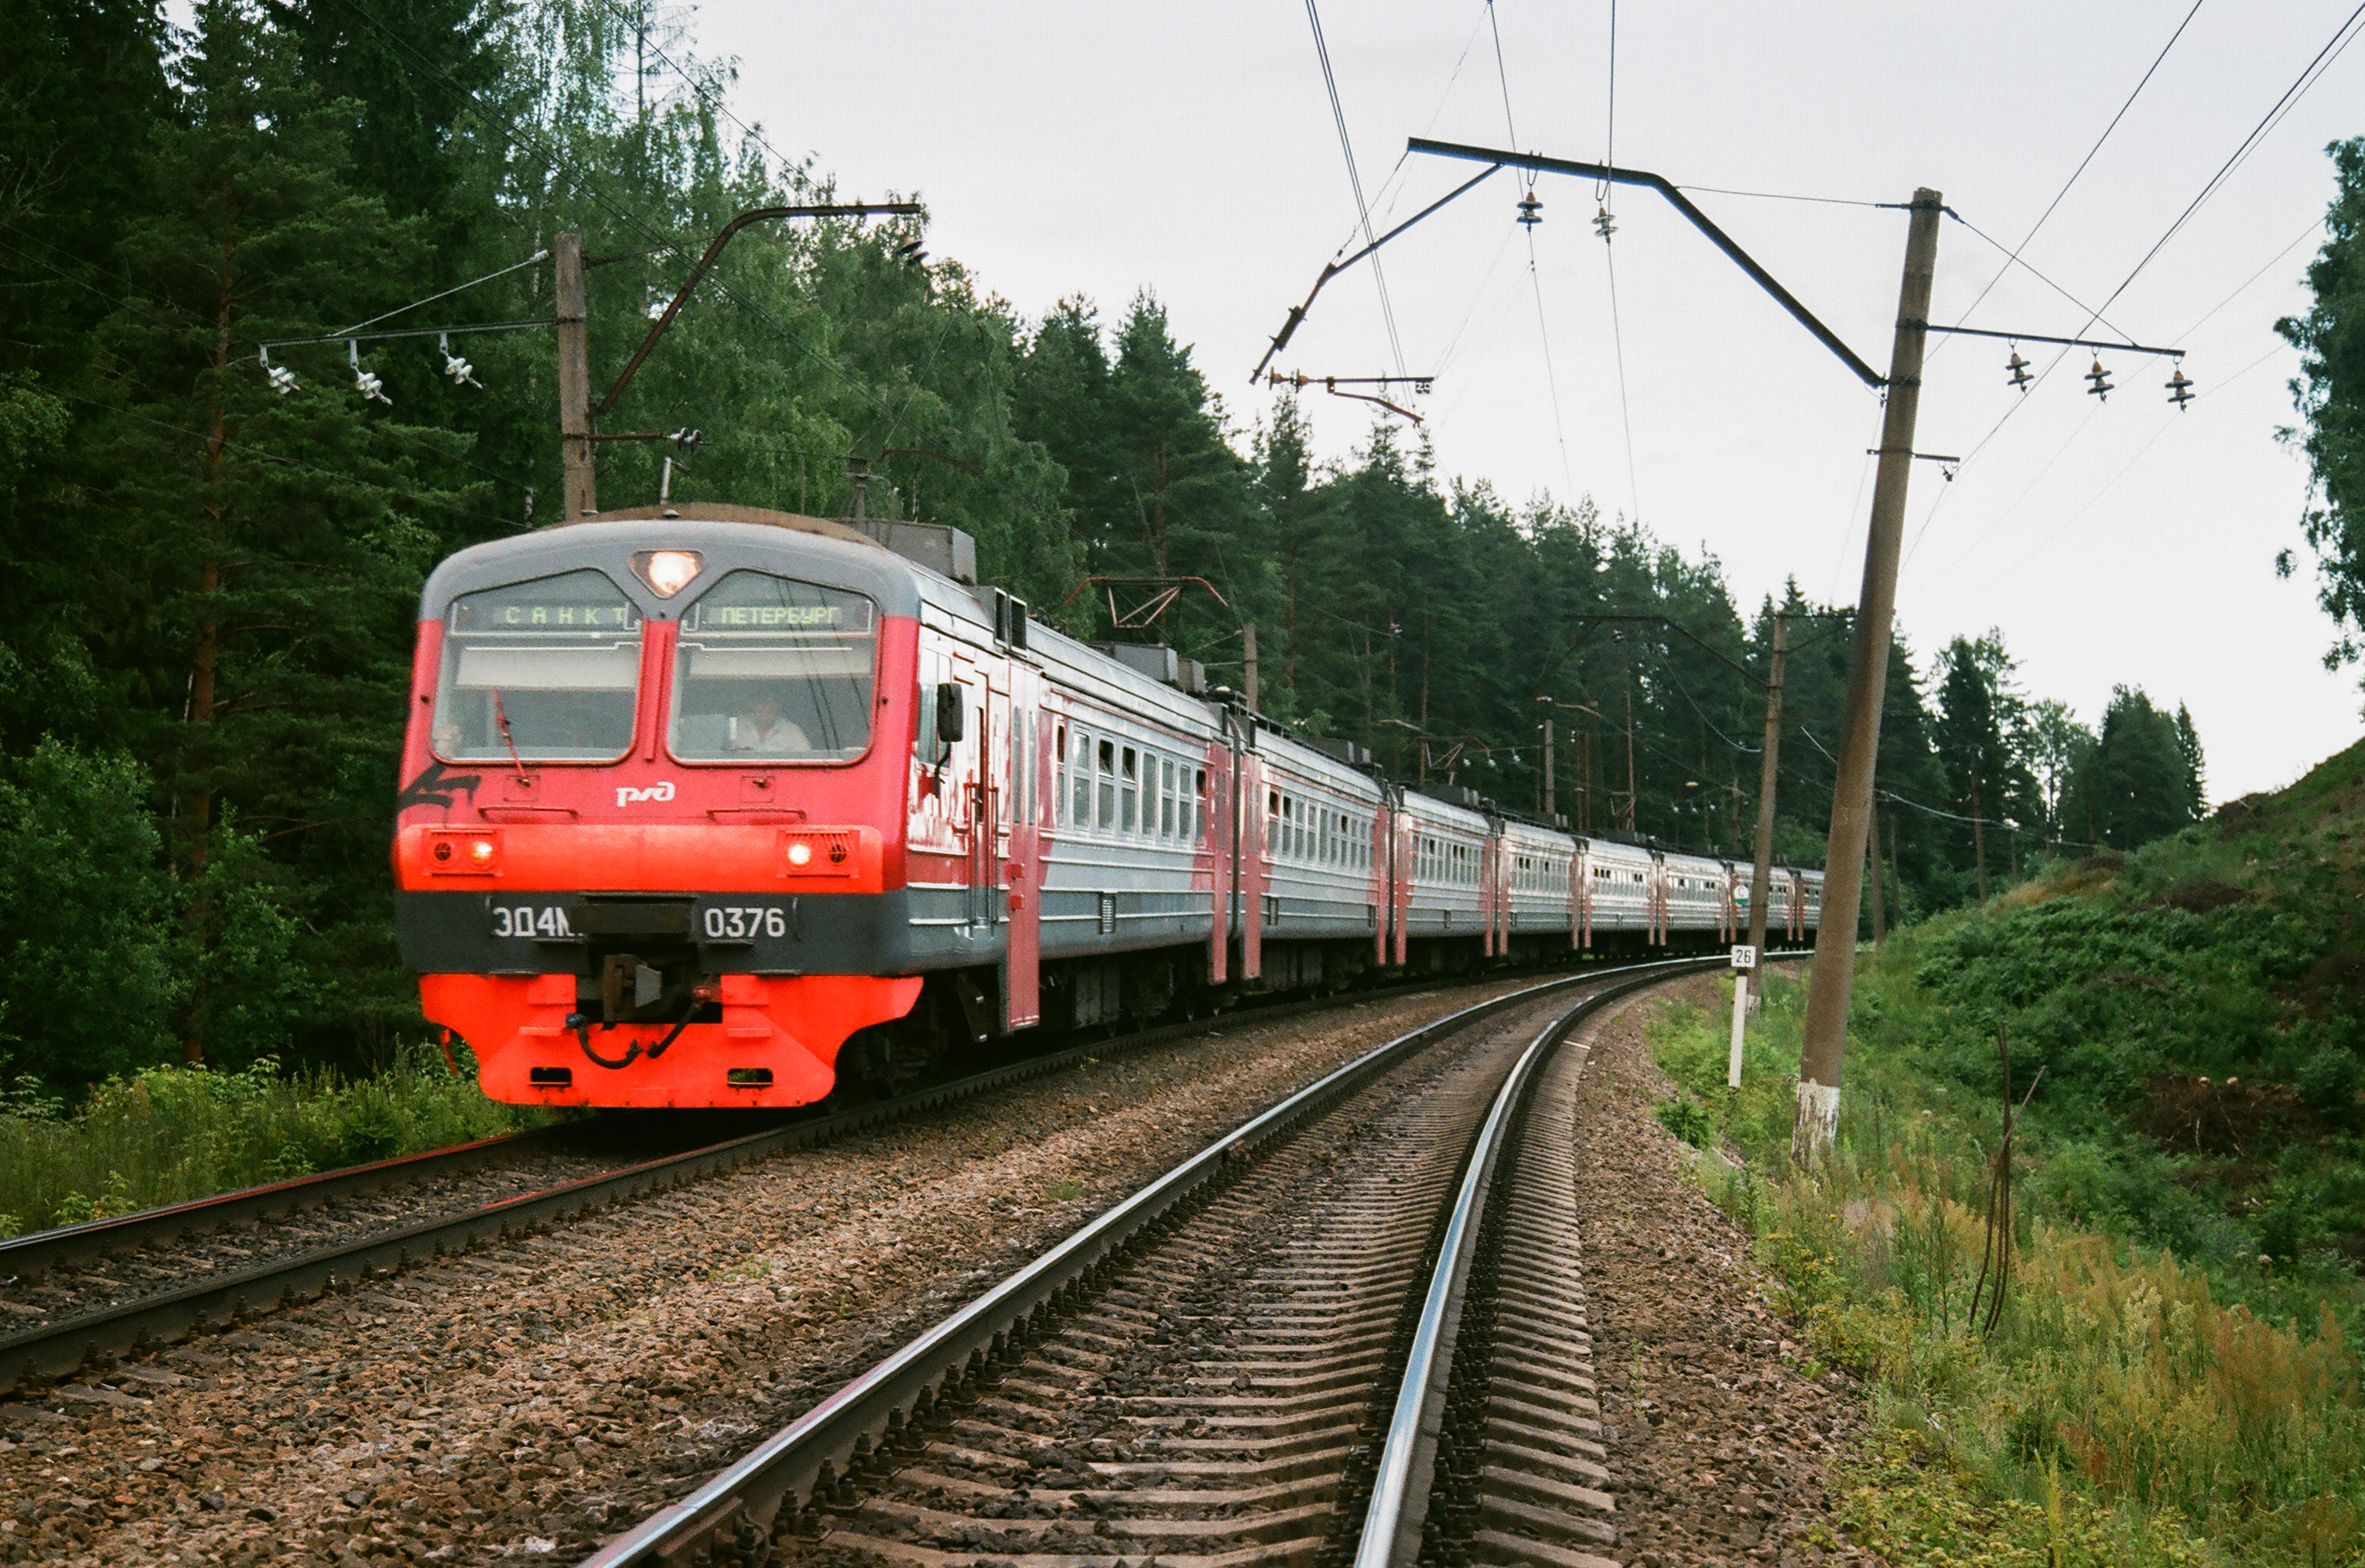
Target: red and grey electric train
717 809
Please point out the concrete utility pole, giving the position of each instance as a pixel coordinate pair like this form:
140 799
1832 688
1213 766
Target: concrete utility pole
1816 1121
1552 798
1872 847
582 491
1760 870
1249 665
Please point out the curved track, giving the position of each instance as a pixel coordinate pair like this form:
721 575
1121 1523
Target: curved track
1252 1359
112 1287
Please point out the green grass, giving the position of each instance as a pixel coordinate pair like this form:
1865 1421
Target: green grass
174 1133
2173 1378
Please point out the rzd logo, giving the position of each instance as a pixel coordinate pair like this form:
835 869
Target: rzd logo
626 794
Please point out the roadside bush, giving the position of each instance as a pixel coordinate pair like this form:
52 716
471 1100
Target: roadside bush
2129 1405
173 1133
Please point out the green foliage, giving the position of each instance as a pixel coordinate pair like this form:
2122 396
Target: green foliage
217 580
166 1134
87 932
2173 1376
1687 1119
2330 392
2141 780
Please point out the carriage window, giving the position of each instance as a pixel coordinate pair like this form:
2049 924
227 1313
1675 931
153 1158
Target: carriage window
543 671
1130 790
1165 798
1080 771
773 670
1108 784
1059 772
1195 809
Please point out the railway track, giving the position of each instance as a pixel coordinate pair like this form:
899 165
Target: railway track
1350 1331
88 1294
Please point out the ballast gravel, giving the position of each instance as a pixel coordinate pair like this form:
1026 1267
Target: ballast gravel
522 1403
1724 1444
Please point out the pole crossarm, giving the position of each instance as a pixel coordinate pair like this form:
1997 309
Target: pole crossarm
2072 343
1500 158
714 249
1297 312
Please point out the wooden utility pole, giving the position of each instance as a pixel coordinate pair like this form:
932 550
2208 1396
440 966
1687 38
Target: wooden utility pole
1815 1123
574 443
1760 870
1249 665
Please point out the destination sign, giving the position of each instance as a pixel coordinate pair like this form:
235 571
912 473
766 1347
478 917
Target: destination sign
551 617
784 617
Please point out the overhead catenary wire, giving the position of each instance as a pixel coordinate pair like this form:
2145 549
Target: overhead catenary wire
1354 179
1535 281
1609 265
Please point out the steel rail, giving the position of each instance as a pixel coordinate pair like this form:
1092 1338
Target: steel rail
58 1349
1390 1535
24 1256
835 1439
37 1252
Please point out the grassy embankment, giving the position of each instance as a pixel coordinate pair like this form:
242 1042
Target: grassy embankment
2173 1377
173 1133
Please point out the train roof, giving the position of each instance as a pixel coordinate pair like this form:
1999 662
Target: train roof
726 537
902 567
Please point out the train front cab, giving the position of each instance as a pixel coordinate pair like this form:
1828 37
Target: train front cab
649 849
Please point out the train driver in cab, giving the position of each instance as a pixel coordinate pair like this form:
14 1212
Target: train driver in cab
764 731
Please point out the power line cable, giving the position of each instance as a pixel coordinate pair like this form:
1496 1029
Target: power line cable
1609 127
1625 407
2342 37
1535 281
508 127
2315 226
2080 169
1354 179
1609 262
2012 258
398 491
2312 73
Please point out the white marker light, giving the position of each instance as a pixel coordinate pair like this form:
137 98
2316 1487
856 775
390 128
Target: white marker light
669 571
800 853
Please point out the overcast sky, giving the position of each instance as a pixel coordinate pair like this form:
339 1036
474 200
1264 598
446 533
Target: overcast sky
1100 150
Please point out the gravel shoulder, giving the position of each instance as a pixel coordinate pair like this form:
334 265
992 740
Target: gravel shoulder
1725 1447
526 1401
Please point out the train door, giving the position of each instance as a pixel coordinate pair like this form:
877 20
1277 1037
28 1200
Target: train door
1218 824
1254 876
1402 827
1023 864
1580 898
1490 864
988 725
1656 895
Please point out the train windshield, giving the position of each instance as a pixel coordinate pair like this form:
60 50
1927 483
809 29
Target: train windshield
773 670
539 671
